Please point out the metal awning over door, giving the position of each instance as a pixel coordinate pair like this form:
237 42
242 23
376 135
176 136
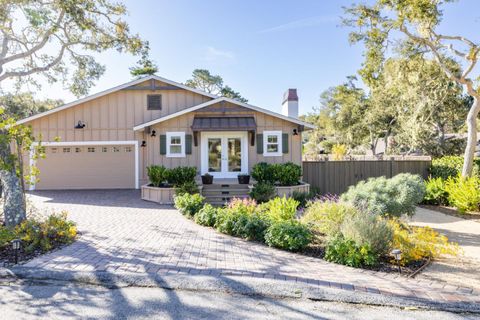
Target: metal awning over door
239 123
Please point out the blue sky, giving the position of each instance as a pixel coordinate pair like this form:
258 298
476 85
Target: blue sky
260 48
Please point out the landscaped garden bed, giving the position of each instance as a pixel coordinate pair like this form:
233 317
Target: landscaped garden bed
361 228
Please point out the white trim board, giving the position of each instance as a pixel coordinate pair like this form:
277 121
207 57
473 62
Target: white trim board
117 88
208 103
89 143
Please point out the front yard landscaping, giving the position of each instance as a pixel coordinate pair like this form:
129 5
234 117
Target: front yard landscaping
359 229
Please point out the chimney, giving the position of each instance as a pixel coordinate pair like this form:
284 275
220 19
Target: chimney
290 103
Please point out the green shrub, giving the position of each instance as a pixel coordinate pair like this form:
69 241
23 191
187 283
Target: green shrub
45 234
6 235
326 217
289 235
304 197
463 193
279 209
451 166
263 192
181 175
370 230
207 216
157 175
396 196
187 187
188 204
288 174
252 227
435 191
347 252
263 172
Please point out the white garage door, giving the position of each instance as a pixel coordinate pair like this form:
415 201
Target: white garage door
87 167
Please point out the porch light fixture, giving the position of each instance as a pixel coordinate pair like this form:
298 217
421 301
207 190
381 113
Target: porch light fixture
16 248
144 144
80 125
295 132
397 254
153 134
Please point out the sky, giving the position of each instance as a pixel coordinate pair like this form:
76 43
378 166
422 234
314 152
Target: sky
260 48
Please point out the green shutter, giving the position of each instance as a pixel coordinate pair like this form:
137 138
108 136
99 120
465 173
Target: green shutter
285 142
188 144
259 143
163 144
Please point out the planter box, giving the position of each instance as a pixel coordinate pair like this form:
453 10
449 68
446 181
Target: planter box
160 195
288 191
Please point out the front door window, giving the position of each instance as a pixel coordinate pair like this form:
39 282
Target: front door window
224 154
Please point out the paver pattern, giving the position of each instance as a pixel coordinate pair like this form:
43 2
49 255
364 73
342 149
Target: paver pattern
121 233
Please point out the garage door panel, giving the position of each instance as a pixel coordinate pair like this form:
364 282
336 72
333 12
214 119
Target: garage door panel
74 167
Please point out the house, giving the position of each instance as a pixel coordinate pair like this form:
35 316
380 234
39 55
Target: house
108 139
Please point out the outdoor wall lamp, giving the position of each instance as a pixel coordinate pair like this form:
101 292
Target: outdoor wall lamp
16 247
295 132
397 254
144 144
153 134
80 125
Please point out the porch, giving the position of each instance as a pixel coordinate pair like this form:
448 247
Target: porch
223 190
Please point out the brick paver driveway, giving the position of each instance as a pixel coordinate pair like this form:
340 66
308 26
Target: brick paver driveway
121 233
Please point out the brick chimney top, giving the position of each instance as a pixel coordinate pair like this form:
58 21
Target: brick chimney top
290 95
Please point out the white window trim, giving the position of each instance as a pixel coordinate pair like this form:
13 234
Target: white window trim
279 153
88 143
182 144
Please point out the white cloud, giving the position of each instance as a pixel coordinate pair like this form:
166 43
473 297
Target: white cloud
214 54
302 23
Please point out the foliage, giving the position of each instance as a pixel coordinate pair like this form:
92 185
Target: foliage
280 209
6 235
303 198
245 205
181 175
435 191
24 105
45 234
157 175
202 79
451 166
463 193
420 242
289 235
339 151
263 172
395 197
145 66
263 192
326 217
288 174
349 253
188 204
188 187
207 216
368 230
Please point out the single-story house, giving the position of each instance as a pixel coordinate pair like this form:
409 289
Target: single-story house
107 140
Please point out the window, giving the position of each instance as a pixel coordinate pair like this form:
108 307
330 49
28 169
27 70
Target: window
154 102
116 149
272 143
78 150
91 149
175 144
54 150
104 149
66 150
128 149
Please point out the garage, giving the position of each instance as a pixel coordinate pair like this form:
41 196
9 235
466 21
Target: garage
98 166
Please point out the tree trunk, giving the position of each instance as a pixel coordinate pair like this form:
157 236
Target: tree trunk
471 137
14 201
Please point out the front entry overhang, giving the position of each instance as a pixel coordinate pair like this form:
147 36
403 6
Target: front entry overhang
229 123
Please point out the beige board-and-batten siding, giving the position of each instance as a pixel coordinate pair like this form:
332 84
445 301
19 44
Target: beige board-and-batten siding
334 177
183 124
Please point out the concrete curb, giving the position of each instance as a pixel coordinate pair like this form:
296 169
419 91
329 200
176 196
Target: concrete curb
232 284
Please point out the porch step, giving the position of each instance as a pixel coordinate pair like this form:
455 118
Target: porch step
220 193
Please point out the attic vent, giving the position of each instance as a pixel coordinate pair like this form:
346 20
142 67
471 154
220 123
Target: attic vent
154 102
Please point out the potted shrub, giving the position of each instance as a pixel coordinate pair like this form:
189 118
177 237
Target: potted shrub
243 178
207 178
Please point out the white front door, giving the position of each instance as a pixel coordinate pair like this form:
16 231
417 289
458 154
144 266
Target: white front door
224 154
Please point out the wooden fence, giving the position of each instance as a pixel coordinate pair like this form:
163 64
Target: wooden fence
335 177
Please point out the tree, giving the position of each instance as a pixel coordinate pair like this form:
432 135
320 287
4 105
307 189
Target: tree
202 79
52 39
145 66
418 21
24 105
